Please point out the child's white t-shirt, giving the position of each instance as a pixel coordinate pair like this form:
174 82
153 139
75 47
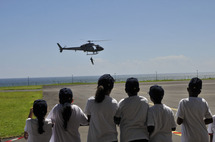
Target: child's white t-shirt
72 133
31 128
162 118
211 128
193 111
133 113
102 127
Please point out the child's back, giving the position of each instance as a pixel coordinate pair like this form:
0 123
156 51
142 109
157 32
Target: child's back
100 111
32 129
71 134
193 110
194 113
160 117
39 129
67 118
132 114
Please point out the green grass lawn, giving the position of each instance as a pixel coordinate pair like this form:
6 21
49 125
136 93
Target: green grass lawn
14 110
21 87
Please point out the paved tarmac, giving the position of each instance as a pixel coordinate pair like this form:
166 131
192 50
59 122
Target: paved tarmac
174 92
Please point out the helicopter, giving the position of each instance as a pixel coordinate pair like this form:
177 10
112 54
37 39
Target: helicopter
88 47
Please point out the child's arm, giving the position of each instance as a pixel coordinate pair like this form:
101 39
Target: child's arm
117 120
25 135
211 137
29 116
150 129
208 121
173 129
30 113
88 116
179 121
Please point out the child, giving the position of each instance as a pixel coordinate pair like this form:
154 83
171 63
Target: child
100 111
67 118
161 121
211 130
194 113
39 129
131 115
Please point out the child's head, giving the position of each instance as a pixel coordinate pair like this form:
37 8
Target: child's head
132 86
65 96
106 81
194 87
156 94
40 110
105 85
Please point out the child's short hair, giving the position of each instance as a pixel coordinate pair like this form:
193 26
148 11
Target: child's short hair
156 92
195 84
132 85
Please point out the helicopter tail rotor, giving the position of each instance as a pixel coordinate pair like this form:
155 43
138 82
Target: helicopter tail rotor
60 47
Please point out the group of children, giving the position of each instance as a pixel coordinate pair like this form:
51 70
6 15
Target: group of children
137 121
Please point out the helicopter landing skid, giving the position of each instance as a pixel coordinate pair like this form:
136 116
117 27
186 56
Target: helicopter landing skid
92 54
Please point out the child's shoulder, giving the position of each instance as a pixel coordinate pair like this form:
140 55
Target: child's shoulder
92 98
143 98
134 99
32 121
166 107
48 121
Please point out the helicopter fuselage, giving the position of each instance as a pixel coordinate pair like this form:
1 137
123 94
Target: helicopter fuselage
88 47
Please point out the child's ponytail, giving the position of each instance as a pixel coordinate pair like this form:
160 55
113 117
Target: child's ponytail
40 110
100 94
105 85
40 123
67 112
66 98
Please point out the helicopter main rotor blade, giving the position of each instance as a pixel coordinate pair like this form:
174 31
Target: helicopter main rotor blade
96 40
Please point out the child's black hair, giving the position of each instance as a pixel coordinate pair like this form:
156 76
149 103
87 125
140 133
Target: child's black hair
105 85
40 110
195 85
156 93
132 86
65 98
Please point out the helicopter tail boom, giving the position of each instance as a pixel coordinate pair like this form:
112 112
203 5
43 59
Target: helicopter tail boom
60 47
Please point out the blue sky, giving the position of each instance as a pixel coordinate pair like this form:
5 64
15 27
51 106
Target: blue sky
144 37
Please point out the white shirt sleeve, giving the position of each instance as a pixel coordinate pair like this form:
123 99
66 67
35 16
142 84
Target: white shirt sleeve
173 120
51 114
27 125
208 113
118 111
150 118
88 107
210 128
180 112
83 118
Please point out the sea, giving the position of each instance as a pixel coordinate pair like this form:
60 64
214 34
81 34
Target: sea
4 82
